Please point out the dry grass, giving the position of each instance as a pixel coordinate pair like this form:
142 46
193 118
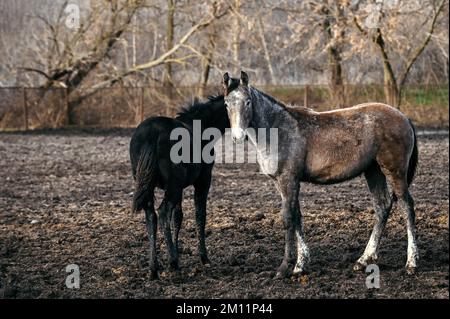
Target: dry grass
427 106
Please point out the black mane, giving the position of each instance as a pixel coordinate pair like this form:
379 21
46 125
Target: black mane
198 110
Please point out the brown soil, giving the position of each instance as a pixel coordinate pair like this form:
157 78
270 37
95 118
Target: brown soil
65 199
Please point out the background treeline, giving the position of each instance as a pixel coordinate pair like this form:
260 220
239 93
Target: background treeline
174 44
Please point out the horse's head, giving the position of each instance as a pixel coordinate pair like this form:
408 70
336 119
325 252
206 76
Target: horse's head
238 103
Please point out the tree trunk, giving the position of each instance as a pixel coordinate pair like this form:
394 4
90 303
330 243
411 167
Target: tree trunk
208 56
205 75
266 50
206 64
336 80
236 44
391 91
167 81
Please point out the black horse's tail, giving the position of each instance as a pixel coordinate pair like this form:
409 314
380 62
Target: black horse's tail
413 160
144 177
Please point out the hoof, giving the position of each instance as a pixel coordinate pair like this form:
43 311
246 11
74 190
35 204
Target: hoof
410 270
284 271
359 267
174 266
299 271
171 275
176 276
154 275
205 261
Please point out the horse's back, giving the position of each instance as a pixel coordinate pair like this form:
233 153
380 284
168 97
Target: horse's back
379 120
389 126
150 132
154 134
343 143
373 109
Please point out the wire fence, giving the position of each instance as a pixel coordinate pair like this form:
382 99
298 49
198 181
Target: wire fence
33 108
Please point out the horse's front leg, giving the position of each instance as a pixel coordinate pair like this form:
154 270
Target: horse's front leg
302 248
289 190
200 199
285 269
177 219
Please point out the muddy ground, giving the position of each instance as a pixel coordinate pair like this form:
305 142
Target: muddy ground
65 199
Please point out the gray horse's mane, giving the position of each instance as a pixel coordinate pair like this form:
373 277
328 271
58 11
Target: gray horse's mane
270 98
288 108
234 84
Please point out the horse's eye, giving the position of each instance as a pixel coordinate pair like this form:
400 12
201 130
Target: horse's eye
247 103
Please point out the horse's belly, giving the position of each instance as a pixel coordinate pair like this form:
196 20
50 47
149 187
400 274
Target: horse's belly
326 177
328 170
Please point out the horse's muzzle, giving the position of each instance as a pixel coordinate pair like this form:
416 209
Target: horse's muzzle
238 134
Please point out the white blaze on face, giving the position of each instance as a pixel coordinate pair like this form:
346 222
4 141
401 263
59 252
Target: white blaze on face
238 127
237 133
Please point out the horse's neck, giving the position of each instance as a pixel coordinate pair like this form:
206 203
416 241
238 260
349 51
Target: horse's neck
269 114
213 120
265 111
208 119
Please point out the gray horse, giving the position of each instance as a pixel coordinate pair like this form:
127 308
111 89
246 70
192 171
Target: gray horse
330 147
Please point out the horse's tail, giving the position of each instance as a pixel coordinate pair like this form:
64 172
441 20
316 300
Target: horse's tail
413 160
144 177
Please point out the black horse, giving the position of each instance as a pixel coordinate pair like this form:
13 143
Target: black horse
152 166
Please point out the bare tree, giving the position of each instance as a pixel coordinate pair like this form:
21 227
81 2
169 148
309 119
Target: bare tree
73 59
282 42
394 81
236 35
267 55
168 82
321 25
334 28
210 48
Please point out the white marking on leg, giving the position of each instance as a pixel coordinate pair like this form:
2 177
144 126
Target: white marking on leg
413 254
370 253
371 250
302 254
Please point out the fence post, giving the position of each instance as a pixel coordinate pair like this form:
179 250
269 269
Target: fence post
25 108
305 97
141 105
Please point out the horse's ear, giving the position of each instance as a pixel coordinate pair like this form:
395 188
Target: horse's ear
225 82
244 78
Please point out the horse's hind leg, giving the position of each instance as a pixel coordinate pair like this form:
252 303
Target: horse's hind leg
382 204
152 225
406 204
177 218
166 210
